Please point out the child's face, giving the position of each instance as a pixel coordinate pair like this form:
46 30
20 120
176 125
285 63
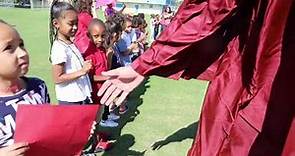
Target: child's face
97 35
117 36
110 5
13 56
86 5
141 27
128 27
168 9
67 23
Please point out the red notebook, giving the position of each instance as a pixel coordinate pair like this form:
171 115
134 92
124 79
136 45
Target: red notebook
54 130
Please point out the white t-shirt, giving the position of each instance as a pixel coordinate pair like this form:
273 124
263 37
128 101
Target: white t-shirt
78 89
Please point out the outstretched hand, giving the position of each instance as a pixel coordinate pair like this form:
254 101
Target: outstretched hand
120 83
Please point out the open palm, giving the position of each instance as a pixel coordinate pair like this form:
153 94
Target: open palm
120 83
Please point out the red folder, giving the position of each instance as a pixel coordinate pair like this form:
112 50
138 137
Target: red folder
54 130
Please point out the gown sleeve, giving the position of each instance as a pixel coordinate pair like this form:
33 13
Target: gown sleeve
192 42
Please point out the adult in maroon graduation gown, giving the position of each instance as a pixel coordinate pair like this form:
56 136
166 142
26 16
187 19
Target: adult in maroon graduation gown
243 48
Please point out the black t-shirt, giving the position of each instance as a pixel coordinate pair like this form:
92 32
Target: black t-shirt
35 93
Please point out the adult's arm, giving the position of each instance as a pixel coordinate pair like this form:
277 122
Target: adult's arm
191 43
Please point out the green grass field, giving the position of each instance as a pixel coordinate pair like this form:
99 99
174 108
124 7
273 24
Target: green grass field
162 112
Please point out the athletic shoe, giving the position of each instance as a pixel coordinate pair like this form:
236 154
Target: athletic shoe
123 111
103 146
108 123
113 116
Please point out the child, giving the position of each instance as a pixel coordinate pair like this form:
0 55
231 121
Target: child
166 18
72 84
15 87
127 44
96 53
84 18
97 34
156 26
141 35
110 11
152 26
114 30
126 47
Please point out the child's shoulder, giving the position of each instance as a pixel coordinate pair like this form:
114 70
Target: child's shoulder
97 53
58 45
33 81
33 85
84 14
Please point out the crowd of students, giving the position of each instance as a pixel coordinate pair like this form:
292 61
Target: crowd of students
82 47
158 22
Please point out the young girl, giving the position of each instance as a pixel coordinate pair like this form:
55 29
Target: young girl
114 28
156 24
141 35
85 16
110 11
127 45
166 18
15 88
72 84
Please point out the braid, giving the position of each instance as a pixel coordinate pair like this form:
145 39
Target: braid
56 10
52 32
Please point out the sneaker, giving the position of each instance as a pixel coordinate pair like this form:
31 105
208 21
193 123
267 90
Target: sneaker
123 111
88 154
113 116
103 146
108 123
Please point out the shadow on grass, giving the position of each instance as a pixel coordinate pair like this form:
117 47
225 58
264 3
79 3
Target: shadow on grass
187 132
122 145
126 141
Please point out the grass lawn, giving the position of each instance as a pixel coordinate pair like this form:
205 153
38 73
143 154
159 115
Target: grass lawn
162 112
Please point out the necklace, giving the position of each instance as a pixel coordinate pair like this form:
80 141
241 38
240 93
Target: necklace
64 41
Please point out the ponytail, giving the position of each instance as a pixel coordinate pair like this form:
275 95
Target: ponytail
52 31
56 10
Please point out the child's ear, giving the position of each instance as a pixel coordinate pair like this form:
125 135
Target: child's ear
55 23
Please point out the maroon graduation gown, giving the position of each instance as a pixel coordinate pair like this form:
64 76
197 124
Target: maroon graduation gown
245 48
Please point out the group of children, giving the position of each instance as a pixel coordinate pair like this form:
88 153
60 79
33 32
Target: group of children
82 47
159 23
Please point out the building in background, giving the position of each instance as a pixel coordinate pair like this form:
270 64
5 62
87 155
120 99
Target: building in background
146 6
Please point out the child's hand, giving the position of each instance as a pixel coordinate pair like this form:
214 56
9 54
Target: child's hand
134 46
110 51
87 66
17 149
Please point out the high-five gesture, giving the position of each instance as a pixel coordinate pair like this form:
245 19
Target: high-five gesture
121 82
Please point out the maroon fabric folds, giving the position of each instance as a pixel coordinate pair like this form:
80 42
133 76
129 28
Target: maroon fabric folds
244 48
81 40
